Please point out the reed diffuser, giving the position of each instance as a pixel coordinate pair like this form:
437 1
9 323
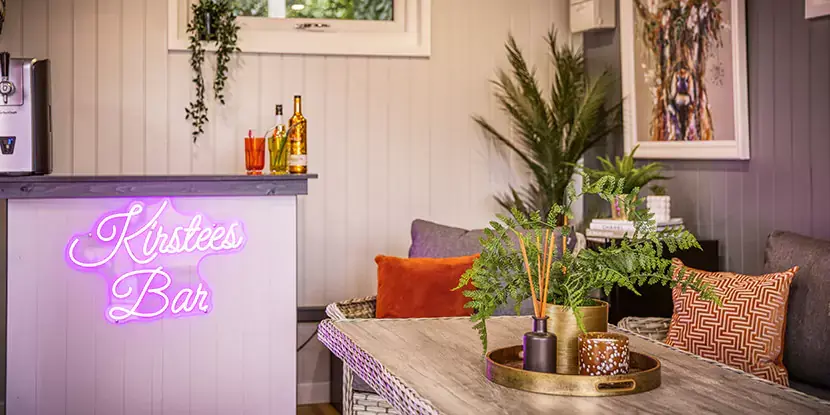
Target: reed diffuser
539 345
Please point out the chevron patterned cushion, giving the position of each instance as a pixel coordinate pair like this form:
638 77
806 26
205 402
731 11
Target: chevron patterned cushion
746 332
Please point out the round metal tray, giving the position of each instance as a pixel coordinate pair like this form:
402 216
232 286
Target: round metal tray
504 367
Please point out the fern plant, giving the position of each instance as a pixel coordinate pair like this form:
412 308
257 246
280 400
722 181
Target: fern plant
625 168
550 134
500 273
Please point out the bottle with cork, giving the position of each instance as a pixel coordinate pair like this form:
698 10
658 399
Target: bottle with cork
297 156
277 148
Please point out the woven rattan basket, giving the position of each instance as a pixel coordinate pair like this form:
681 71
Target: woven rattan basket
655 328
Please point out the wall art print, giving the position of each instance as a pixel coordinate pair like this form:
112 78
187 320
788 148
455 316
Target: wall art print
684 78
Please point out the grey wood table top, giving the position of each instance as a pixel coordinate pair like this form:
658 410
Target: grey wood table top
77 186
438 363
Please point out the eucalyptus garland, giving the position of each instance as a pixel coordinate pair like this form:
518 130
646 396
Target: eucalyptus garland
212 21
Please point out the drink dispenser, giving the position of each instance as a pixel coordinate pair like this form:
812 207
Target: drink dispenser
25 116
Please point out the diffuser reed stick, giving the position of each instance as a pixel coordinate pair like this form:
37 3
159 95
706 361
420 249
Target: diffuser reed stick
544 263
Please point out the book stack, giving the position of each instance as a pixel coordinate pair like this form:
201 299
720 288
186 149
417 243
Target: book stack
602 229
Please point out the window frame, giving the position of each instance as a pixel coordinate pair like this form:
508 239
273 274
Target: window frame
407 35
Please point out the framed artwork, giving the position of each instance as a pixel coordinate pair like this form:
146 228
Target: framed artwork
816 8
684 78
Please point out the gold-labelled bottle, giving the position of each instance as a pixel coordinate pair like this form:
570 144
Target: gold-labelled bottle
297 156
277 146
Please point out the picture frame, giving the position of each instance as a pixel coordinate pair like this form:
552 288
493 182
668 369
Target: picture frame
674 107
816 8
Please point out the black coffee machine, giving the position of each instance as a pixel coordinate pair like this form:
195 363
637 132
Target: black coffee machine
25 117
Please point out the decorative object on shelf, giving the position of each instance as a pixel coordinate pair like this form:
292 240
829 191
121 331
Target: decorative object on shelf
211 21
603 354
629 175
503 366
254 154
685 78
749 334
501 273
659 203
550 135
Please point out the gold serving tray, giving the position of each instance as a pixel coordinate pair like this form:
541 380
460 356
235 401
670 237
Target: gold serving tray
504 367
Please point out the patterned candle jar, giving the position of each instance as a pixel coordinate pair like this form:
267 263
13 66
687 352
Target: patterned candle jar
603 354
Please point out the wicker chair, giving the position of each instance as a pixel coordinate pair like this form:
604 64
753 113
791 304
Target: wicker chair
358 397
655 328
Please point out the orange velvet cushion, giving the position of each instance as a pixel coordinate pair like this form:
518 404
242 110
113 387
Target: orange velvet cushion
746 332
421 287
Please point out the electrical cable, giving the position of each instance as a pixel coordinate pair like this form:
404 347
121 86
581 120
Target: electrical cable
313 335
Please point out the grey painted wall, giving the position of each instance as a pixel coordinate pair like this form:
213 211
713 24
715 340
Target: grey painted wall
786 184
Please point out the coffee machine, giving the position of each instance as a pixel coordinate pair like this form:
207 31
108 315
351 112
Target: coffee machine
25 117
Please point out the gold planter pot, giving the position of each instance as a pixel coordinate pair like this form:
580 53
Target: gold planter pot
562 323
618 209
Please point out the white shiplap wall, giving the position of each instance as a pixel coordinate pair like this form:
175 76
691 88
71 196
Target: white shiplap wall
391 138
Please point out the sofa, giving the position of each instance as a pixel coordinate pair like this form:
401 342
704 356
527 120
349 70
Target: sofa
429 240
806 352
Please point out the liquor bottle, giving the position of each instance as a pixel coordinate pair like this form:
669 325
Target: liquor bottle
277 148
297 160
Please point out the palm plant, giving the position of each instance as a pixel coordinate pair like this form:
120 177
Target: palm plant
634 178
551 135
626 169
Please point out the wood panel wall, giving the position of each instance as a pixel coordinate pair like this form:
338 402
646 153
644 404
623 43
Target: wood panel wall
391 138
786 183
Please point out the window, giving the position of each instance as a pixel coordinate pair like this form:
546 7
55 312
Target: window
316 9
331 27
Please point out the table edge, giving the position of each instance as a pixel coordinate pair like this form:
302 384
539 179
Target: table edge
331 327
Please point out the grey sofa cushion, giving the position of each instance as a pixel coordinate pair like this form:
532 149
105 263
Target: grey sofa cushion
433 240
806 353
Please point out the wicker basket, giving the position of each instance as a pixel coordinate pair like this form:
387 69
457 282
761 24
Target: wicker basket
655 328
357 402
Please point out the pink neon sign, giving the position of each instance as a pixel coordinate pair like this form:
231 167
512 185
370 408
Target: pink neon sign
135 250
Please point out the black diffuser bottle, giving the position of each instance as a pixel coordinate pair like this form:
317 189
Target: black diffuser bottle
539 348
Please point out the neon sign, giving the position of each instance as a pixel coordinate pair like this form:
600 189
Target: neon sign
136 249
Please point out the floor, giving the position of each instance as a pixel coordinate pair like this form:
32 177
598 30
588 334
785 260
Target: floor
317 409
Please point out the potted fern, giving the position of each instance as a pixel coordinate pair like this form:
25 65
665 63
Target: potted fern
507 273
625 169
551 131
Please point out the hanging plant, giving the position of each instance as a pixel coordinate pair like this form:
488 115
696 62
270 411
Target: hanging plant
211 21
2 14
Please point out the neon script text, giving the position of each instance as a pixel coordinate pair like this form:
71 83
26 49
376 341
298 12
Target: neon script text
148 240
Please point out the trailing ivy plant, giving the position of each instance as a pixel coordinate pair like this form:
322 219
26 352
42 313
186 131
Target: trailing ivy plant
212 21
499 274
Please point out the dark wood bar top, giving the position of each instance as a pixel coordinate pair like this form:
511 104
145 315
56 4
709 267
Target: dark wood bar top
72 186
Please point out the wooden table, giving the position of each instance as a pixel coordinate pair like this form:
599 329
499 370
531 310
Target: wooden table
435 366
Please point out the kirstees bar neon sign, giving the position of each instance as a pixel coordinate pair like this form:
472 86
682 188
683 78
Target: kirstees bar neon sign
148 238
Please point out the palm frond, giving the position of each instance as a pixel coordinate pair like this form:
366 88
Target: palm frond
550 135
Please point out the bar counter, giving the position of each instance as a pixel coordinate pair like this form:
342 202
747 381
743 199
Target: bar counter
149 294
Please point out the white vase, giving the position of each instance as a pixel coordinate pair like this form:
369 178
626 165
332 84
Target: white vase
660 206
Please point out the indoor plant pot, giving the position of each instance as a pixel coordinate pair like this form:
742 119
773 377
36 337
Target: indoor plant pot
660 207
564 325
618 211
